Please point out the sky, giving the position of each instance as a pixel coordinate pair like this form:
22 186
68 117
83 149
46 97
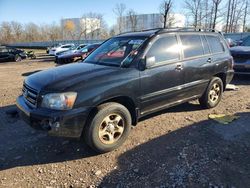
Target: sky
52 11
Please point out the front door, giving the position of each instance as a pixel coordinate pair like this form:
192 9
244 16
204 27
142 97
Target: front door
161 83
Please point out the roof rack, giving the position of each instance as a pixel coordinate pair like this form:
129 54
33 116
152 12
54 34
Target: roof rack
144 30
163 30
188 29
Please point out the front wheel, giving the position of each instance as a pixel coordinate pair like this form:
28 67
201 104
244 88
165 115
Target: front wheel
213 93
17 58
109 127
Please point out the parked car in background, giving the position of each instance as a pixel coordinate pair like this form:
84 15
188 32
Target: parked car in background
128 77
72 50
62 48
75 56
53 46
241 55
11 54
231 42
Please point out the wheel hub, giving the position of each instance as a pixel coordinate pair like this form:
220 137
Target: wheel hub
214 93
111 129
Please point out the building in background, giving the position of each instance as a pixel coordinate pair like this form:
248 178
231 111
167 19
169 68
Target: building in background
80 28
149 21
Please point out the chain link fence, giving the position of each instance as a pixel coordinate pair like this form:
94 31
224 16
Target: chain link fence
43 45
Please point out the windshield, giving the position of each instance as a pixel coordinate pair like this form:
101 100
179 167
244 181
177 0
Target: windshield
85 49
246 42
72 48
116 51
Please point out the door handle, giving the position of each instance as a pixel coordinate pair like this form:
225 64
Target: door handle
209 60
179 67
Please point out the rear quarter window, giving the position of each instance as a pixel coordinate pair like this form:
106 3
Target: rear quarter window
192 45
215 44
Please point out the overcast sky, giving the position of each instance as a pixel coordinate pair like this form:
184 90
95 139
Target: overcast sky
49 11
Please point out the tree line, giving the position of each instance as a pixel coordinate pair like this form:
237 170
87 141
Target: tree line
208 13
199 14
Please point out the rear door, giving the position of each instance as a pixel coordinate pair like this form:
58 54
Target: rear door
197 63
160 83
221 59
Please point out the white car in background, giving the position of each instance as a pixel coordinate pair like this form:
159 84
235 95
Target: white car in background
74 49
62 48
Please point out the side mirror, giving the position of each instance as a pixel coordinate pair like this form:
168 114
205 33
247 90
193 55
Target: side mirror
146 62
150 61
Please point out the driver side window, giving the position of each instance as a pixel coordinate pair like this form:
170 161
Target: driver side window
164 49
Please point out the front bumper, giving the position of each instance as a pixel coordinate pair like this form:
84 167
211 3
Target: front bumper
68 123
242 68
63 60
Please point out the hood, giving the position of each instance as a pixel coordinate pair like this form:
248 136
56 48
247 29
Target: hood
66 76
240 50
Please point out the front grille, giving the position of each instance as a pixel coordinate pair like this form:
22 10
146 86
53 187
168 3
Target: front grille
30 95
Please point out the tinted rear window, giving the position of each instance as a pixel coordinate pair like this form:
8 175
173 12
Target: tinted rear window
215 44
192 45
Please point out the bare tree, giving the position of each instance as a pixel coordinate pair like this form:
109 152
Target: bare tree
17 30
236 15
165 10
6 32
54 32
119 10
216 9
228 15
133 19
103 31
32 32
193 7
12 32
246 12
94 24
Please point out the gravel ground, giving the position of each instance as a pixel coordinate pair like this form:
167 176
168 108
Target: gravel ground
177 147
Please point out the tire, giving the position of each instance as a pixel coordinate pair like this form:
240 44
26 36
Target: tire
213 93
103 127
17 58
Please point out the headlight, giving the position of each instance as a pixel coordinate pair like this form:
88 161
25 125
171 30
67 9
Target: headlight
59 101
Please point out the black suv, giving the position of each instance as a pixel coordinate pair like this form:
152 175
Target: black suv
11 54
241 55
129 76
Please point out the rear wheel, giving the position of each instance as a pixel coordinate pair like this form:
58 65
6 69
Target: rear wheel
109 127
213 93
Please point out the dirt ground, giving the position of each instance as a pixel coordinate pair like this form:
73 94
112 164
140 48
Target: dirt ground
177 147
